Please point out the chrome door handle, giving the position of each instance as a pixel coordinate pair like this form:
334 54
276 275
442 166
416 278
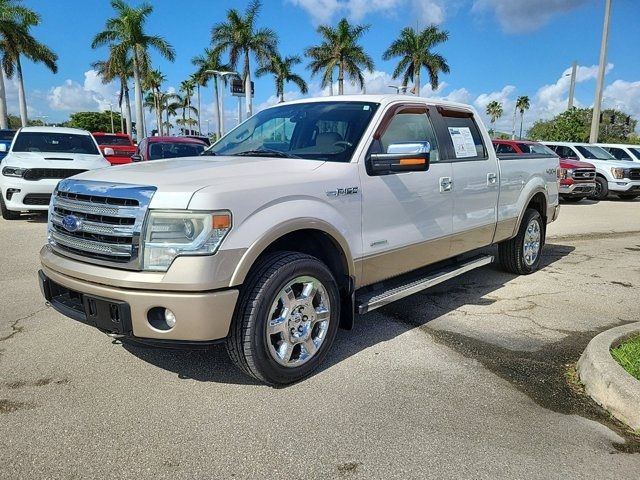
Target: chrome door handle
446 184
492 178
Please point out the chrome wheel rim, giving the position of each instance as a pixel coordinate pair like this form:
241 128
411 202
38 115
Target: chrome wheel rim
531 246
298 321
598 190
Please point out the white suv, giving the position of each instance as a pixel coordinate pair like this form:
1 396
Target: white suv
612 176
38 158
622 152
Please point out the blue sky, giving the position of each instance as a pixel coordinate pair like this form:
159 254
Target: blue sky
498 49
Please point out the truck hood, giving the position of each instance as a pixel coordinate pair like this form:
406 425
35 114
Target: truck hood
569 163
78 161
177 179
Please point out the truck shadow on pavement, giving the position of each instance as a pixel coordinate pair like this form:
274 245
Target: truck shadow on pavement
213 364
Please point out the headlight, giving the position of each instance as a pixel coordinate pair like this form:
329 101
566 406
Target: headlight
618 172
570 172
562 173
13 171
170 234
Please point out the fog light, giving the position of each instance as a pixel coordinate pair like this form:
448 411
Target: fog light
11 191
170 318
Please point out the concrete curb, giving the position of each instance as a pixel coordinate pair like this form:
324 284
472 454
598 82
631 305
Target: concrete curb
606 381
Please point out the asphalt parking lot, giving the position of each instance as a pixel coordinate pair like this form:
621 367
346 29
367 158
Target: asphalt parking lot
466 380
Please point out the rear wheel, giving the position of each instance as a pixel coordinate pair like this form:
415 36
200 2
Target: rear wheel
286 320
522 253
6 213
602 189
627 196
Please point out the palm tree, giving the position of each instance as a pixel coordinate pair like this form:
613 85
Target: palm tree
125 31
210 60
12 17
522 104
17 42
240 37
414 48
187 87
340 48
118 66
494 110
153 80
281 69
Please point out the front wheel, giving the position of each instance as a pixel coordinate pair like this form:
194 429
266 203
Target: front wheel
521 254
602 189
286 319
6 213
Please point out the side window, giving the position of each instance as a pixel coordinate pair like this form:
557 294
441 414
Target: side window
466 138
619 153
571 153
505 148
410 126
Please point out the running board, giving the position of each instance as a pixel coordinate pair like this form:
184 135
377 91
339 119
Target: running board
371 300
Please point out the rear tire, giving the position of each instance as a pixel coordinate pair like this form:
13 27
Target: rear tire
286 318
6 213
627 196
521 254
602 189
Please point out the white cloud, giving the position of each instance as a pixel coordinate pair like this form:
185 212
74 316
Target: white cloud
425 11
519 16
624 96
92 95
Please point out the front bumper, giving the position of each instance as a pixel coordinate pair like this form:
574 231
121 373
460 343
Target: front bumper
32 195
625 186
578 189
201 317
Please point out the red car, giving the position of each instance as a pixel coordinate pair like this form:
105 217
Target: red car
156 148
116 147
577 179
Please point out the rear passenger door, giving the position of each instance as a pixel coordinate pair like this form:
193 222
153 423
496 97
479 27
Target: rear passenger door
475 182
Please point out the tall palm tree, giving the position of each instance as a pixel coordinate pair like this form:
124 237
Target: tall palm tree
12 17
17 43
522 103
187 87
494 110
240 38
414 48
340 48
281 69
210 60
153 80
126 31
118 66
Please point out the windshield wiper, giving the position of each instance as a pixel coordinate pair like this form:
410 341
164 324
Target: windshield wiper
265 152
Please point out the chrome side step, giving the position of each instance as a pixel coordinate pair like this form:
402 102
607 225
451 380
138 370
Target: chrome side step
376 298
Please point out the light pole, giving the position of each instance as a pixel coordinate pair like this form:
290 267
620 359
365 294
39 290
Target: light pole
572 88
595 120
111 113
402 89
220 100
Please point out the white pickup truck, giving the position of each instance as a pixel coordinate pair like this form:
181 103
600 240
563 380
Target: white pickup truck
37 159
304 215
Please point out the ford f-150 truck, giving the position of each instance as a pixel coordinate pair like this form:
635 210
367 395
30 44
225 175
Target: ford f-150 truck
302 216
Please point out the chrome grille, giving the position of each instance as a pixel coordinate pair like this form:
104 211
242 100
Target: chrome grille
99 222
584 174
634 173
45 173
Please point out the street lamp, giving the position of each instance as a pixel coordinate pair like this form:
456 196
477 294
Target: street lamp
220 100
595 119
572 88
402 89
111 112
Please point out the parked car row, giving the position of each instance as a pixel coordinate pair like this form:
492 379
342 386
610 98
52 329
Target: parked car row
35 159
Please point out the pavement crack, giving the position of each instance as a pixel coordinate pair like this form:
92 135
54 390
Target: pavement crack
17 328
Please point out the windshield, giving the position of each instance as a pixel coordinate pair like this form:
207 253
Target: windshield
54 142
316 130
7 135
158 150
535 148
113 140
635 152
595 153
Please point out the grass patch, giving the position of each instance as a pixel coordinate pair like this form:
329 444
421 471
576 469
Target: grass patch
627 354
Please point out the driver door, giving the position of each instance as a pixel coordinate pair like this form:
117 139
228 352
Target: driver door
406 217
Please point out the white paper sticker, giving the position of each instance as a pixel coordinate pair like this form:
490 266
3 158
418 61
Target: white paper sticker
463 142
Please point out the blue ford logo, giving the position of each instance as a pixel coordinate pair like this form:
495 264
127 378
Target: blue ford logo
71 223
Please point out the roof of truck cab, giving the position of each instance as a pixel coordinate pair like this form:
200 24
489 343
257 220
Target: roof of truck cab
63 130
158 139
382 99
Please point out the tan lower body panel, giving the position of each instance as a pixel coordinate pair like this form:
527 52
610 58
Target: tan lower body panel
505 229
201 316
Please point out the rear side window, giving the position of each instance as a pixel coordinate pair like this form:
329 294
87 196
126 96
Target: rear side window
410 126
505 148
466 138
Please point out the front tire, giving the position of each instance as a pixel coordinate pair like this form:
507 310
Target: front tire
521 254
6 213
602 189
286 319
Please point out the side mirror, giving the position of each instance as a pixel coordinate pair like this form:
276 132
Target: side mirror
109 151
3 148
136 157
400 157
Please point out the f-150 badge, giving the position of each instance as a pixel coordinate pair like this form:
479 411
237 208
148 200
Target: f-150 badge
339 192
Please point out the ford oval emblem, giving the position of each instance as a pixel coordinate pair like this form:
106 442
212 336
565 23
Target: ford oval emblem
71 223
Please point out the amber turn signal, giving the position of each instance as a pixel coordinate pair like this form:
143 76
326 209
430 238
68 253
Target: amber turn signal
221 221
412 161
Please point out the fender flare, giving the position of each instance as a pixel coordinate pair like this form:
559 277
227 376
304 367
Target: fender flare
532 194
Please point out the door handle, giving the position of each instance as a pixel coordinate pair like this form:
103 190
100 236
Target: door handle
492 178
446 184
